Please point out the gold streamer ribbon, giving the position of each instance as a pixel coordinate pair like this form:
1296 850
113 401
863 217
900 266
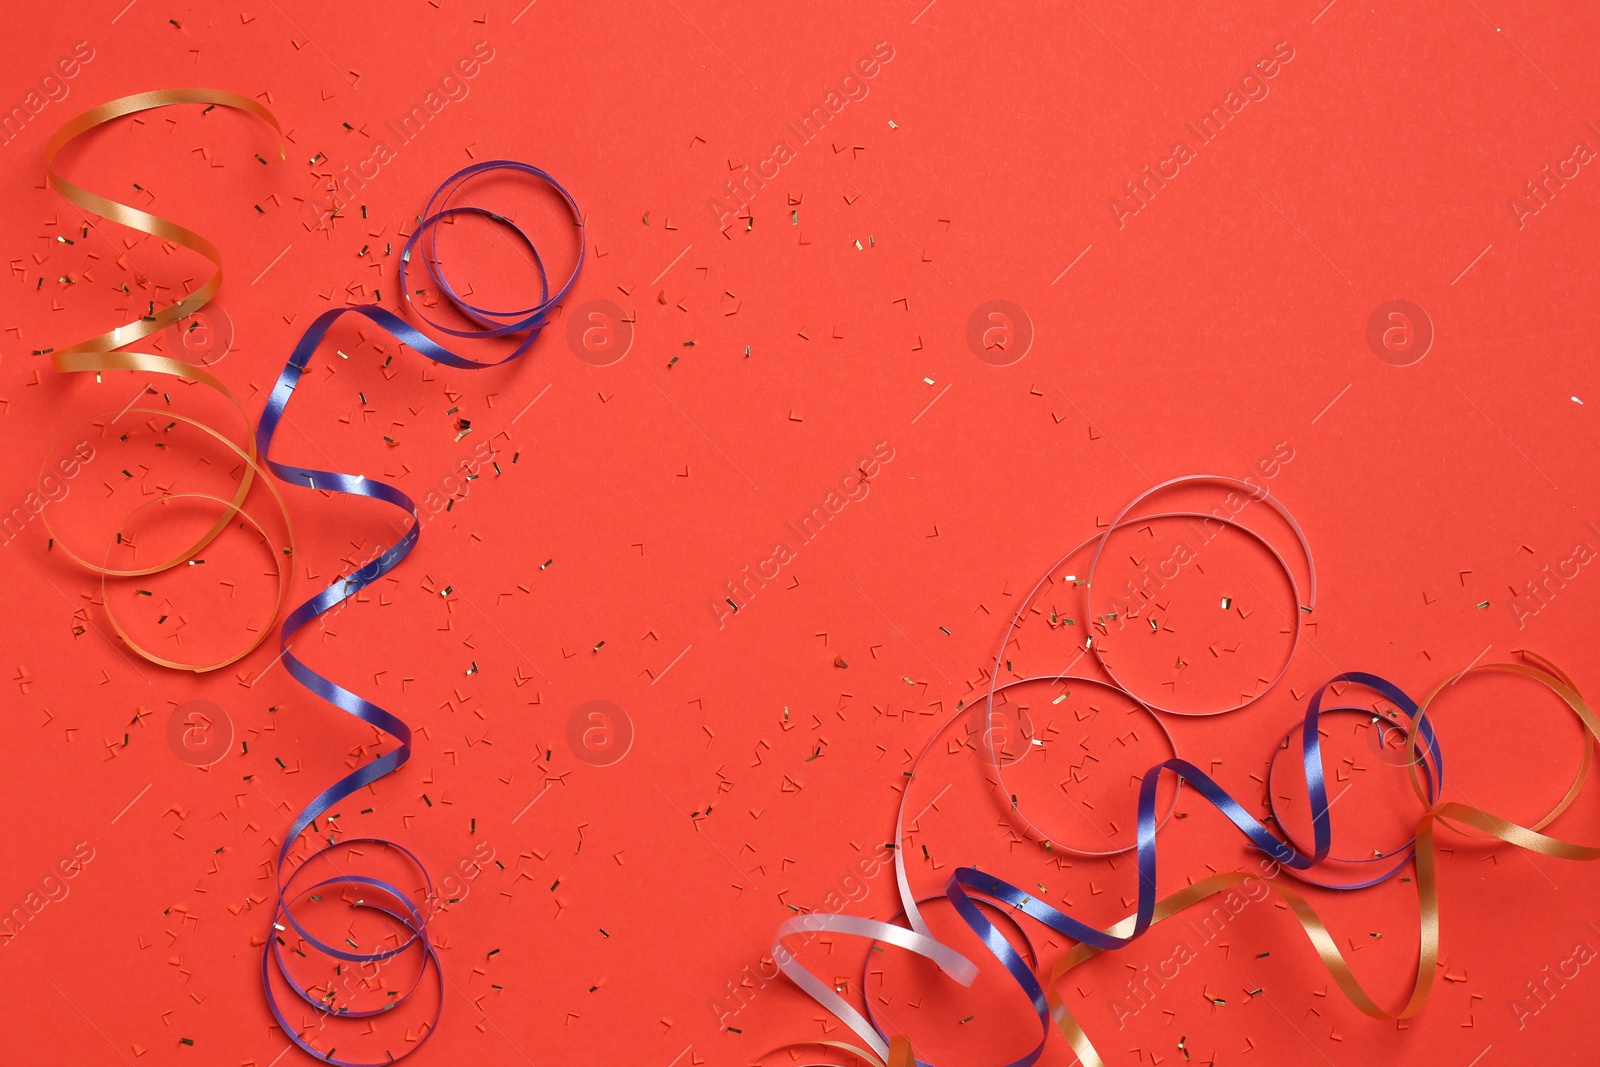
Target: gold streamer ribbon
98 353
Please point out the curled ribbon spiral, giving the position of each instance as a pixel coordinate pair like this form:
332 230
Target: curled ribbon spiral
529 321
968 887
99 353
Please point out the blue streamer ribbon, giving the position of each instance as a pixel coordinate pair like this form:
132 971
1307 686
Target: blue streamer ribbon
487 322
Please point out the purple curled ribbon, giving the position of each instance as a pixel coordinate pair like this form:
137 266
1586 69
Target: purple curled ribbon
488 322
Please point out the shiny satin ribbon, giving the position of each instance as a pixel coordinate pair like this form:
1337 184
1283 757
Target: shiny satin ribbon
919 939
529 321
97 354
965 879
949 960
1283 851
1092 649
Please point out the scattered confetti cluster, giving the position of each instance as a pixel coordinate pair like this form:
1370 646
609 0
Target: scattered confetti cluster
655 622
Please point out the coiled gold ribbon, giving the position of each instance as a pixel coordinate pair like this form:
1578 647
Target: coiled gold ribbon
99 353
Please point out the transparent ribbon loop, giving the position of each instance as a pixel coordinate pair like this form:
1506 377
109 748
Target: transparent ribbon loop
1127 516
908 900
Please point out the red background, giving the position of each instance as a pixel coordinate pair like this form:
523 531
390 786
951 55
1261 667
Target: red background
1224 318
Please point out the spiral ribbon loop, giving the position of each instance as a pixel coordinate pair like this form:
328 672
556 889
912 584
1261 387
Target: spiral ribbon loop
97 354
528 321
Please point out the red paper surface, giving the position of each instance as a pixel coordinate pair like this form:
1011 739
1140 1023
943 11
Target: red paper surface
1222 327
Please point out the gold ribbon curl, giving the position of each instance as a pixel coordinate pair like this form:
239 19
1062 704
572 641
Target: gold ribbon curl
99 353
